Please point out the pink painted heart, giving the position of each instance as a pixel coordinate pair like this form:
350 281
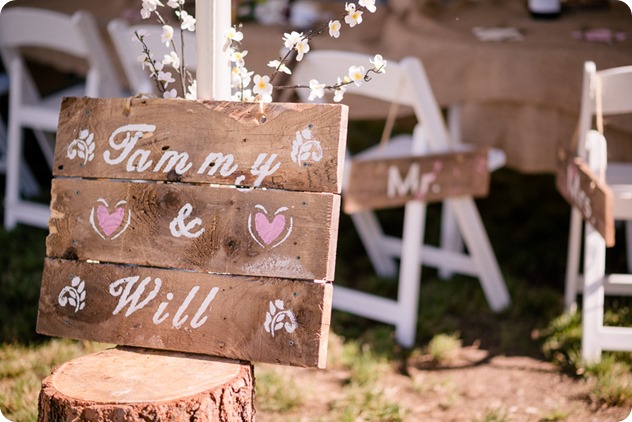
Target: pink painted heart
269 231
109 222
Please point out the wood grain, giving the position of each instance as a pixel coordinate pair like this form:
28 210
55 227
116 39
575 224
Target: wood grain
245 318
253 232
391 182
135 384
175 138
582 189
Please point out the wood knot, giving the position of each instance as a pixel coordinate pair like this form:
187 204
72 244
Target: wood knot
231 246
70 253
172 176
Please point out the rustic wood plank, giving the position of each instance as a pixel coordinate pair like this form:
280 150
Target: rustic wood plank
279 145
391 182
254 319
202 228
582 189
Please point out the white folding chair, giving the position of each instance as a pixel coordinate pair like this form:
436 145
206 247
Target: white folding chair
128 50
28 182
604 92
406 83
76 35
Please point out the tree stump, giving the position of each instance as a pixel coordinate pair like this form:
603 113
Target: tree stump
129 384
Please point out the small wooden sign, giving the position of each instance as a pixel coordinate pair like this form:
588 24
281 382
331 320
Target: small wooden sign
203 227
251 318
582 189
391 182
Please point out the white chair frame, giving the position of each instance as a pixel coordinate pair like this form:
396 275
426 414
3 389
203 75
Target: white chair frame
76 35
610 88
28 183
406 83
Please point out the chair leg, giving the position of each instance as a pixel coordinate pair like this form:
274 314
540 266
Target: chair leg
480 250
594 292
572 261
12 182
410 272
46 142
628 243
451 239
370 233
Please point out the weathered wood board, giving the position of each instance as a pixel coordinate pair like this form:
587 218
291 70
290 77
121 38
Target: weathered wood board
277 145
201 227
582 189
256 232
254 319
391 182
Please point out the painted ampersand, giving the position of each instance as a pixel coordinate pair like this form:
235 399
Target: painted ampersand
179 226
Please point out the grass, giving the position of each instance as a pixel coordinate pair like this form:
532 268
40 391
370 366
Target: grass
22 369
443 348
275 392
527 222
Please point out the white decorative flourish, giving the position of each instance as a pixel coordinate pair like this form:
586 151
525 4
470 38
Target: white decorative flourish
75 294
305 148
82 147
277 318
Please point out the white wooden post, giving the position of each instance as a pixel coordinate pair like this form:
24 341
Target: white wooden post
213 19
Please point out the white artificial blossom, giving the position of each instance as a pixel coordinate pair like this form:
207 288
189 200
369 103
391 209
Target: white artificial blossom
167 35
340 91
354 16
379 64
334 28
296 44
187 21
279 66
173 60
368 5
356 74
316 90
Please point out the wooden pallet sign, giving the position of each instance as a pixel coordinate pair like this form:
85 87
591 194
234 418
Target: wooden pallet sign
203 227
391 182
582 189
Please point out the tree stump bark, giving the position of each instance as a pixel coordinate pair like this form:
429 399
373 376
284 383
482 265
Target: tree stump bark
130 384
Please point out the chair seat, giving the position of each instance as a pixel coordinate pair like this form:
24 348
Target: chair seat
45 114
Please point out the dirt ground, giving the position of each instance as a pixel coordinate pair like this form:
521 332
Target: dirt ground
473 387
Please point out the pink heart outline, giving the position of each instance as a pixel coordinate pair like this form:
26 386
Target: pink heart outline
269 231
109 222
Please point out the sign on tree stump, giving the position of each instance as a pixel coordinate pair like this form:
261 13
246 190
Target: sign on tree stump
391 182
204 227
582 189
